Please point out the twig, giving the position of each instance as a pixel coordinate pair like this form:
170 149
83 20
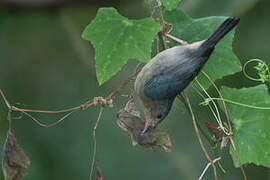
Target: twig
95 143
14 108
199 136
176 39
47 125
5 99
238 156
243 173
221 168
207 166
209 105
80 107
160 19
94 102
236 103
228 120
219 121
9 120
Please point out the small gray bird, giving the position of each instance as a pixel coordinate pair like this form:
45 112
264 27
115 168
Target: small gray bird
171 71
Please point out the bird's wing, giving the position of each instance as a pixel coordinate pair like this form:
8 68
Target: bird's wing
174 79
167 86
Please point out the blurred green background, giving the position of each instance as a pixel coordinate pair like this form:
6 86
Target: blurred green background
44 64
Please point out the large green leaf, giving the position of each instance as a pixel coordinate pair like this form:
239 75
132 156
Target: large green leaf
117 39
251 126
223 61
170 4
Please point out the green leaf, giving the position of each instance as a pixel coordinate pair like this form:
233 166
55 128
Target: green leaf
170 4
251 126
223 61
117 39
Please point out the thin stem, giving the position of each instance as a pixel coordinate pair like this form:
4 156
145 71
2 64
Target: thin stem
160 19
221 168
228 120
209 105
95 142
199 136
5 99
237 103
243 173
238 156
207 166
176 39
216 108
86 105
80 107
47 125
219 93
9 120
163 41
205 135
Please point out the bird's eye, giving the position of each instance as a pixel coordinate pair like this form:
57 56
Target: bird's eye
159 116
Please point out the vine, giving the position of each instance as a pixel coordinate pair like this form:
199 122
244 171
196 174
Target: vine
165 24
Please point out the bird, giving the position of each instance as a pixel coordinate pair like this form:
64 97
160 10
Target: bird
171 71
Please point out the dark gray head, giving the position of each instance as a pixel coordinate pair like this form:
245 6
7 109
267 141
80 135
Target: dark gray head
155 112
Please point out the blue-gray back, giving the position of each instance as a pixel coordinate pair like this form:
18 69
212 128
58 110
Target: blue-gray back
179 70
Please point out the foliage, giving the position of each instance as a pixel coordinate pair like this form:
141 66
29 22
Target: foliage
117 39
251 124
134 40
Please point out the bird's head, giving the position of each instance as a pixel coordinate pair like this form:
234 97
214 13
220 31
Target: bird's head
155 112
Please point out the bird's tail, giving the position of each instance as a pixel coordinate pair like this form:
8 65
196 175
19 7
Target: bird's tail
221 31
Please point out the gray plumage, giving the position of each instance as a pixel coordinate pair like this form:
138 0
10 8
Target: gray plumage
171 71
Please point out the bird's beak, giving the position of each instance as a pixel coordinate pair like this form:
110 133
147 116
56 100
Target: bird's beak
147 127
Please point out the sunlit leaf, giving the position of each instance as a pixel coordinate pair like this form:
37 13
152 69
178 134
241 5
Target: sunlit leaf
251 126
117 39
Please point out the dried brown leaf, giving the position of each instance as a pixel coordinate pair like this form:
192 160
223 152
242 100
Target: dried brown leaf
15 162
216 132
129 120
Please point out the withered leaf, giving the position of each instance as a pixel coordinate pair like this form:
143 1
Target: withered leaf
156 139
216 132
15 162
129 120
